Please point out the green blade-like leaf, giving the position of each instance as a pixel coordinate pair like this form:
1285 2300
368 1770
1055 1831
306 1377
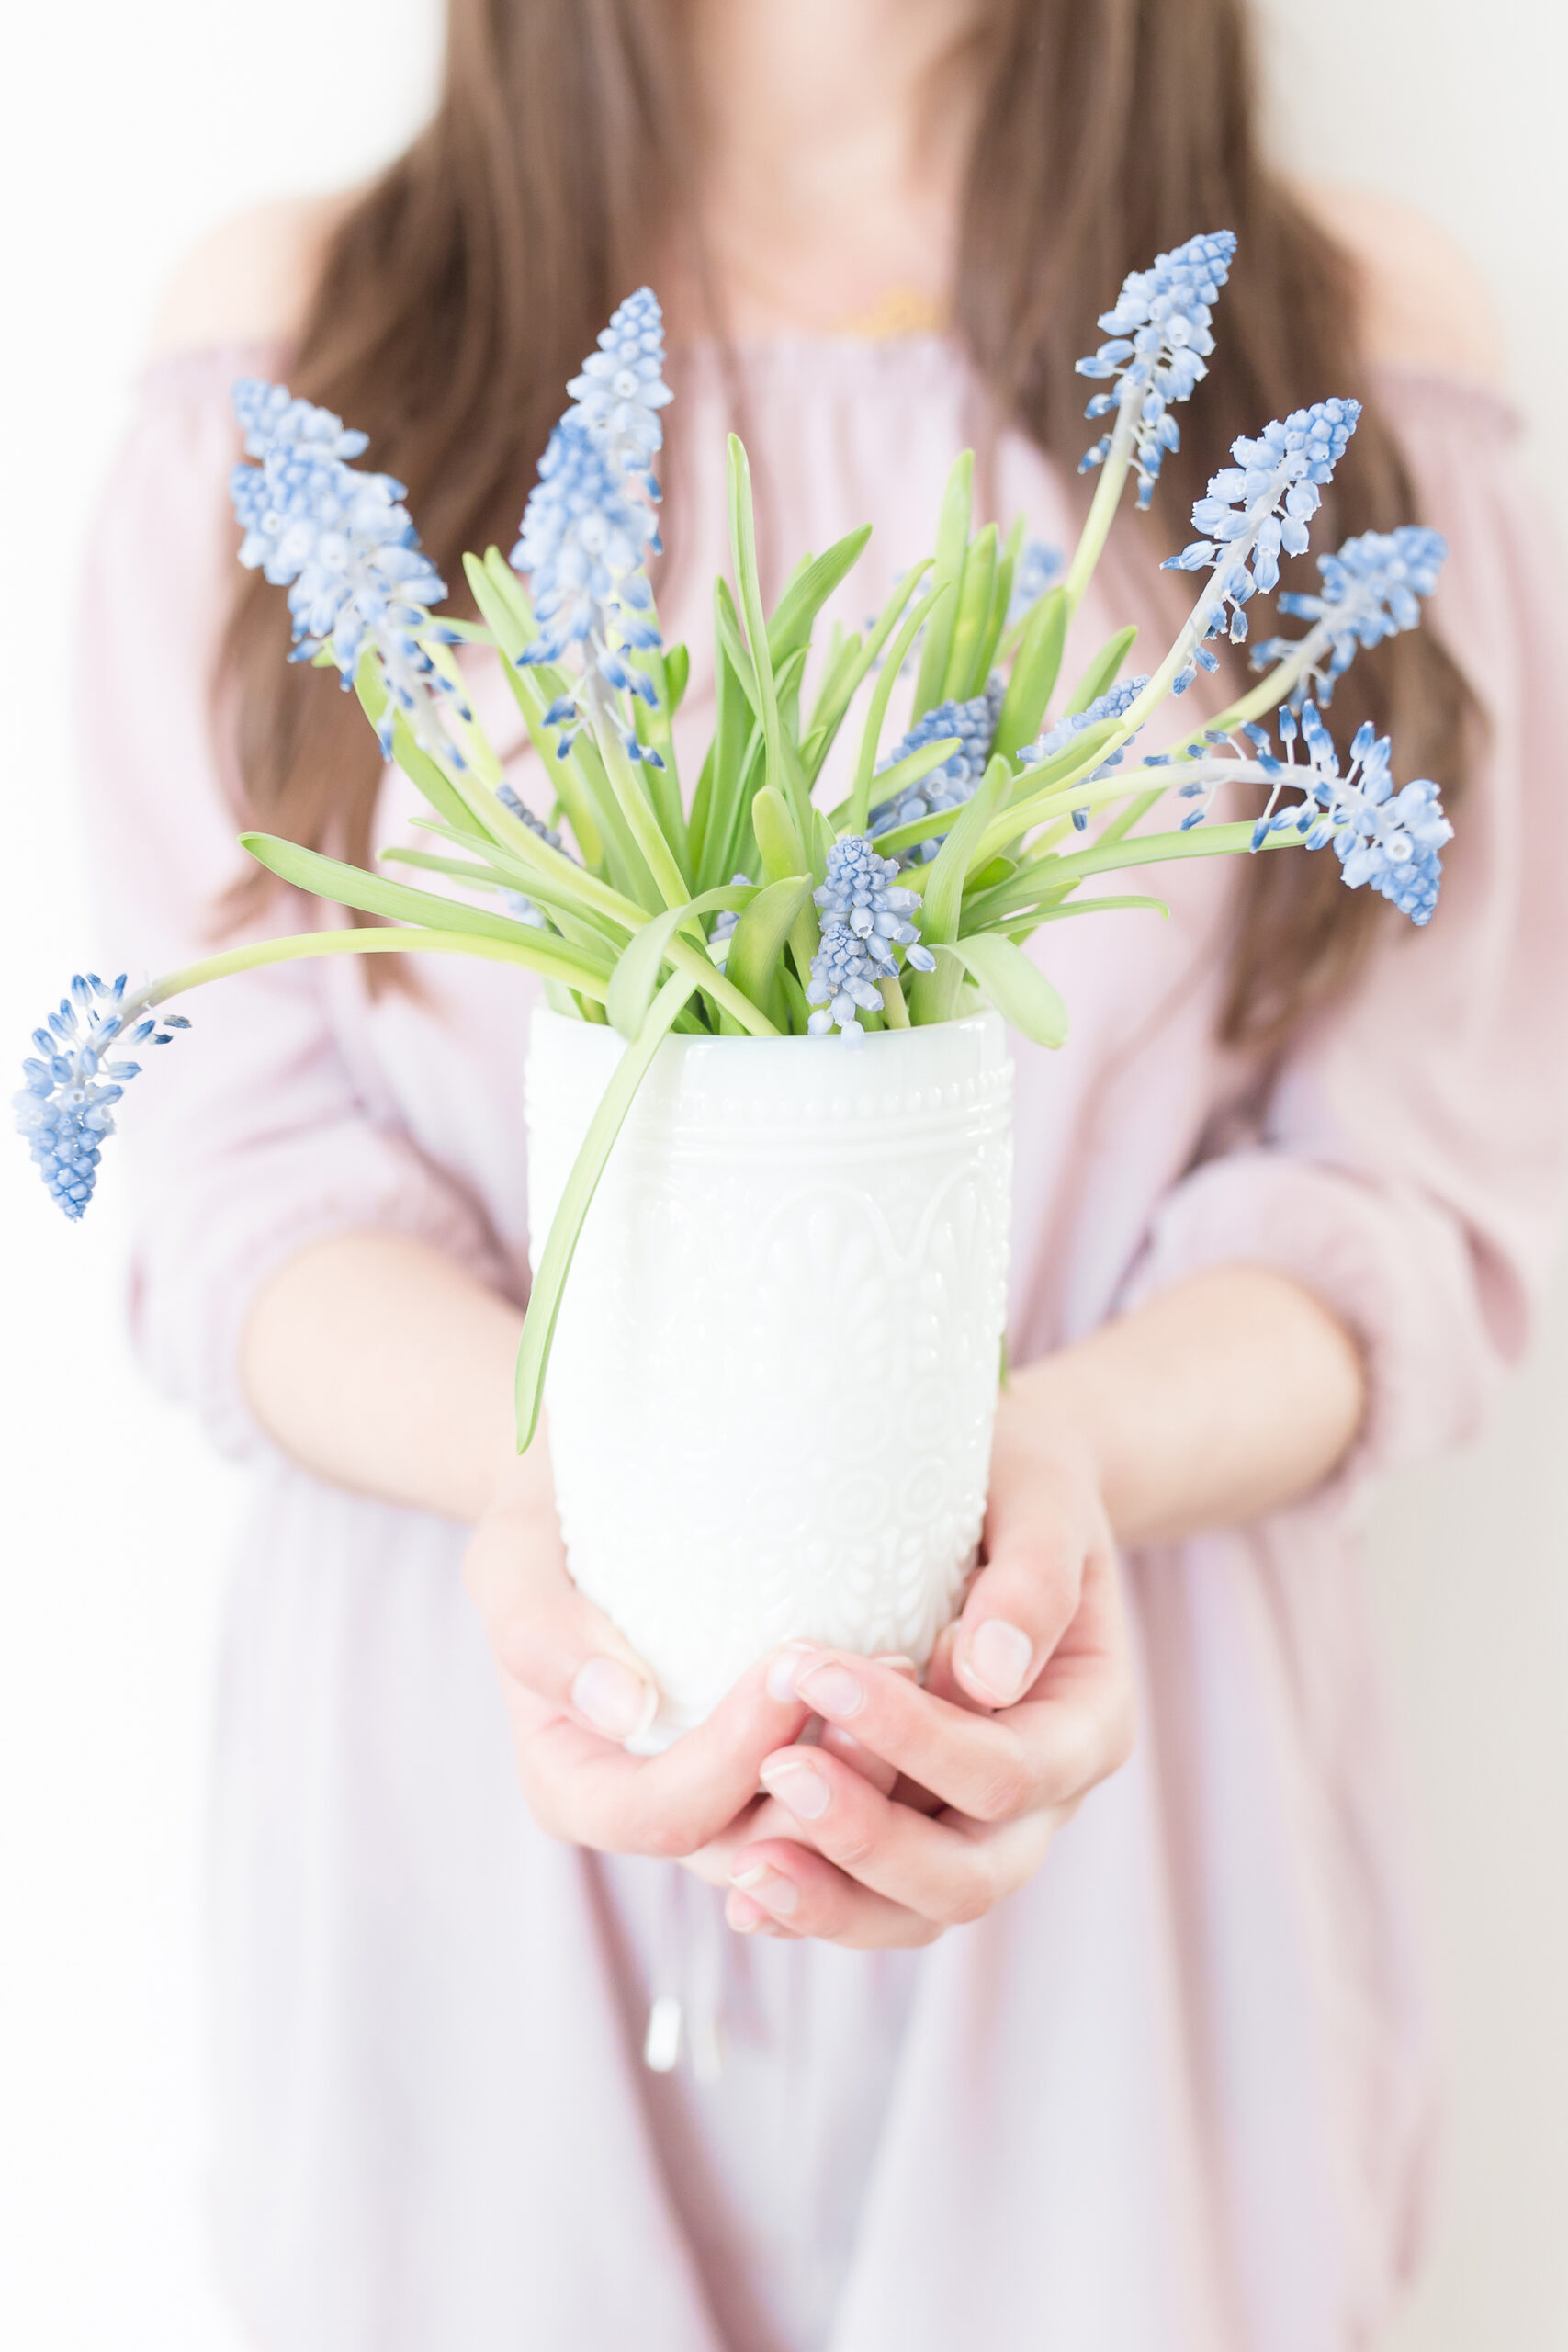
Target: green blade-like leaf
758 940
943 894
1018 988
1102 672
855 666
793 622
951 547
1034 673
328 877
743 545
779 845
565 1228
677 671
972 618
940 595
636 973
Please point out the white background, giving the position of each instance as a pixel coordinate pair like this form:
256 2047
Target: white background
130 129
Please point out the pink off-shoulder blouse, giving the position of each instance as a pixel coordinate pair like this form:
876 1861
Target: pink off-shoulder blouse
1175 2096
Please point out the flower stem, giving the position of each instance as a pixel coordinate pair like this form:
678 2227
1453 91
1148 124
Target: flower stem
1103 511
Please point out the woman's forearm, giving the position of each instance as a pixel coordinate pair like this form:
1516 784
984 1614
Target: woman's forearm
385 1366
1228 1395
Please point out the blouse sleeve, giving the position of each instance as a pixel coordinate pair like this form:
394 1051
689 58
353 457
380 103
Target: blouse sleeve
1411 1167
248 1140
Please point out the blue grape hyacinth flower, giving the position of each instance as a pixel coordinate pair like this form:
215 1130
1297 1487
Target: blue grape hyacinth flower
1372 590
589 527
66 1107
1161 336
1256 511
622 387
517 904
865 915
1114 703
1038 566
950 786
343 544
1388 841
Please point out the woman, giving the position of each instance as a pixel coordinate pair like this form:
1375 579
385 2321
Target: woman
1281 1208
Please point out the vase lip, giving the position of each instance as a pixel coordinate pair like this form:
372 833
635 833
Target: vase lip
987 1024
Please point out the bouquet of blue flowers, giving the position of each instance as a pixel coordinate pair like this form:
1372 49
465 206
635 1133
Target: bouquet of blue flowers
748 908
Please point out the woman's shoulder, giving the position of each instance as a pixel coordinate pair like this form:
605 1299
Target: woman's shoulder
251 279
1425 303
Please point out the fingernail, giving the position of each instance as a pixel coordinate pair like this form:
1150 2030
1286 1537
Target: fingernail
798 1785
744 1916
613 1698
782 1674
766 1885
1000 1659
832 1690
896 1663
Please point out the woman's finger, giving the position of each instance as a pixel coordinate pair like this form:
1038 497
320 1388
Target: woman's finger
542 1633
1075 1727
946 1871
781 1887
981 1765
1042 1521
583 1789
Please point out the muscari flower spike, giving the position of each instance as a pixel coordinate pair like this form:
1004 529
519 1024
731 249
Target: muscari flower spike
1372 590
588 526
66 1108
1391 841
344 546
950 786
517 905
1114 704
724 922
1038 565
1246 531
865 912
1160 339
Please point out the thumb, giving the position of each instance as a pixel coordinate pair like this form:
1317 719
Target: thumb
1021 1603
543 1634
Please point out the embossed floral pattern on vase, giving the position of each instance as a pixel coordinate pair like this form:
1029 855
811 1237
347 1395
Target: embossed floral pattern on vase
774 1376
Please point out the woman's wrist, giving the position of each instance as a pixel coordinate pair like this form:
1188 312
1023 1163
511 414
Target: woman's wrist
1234 1392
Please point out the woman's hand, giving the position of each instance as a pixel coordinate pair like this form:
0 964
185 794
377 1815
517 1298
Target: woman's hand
575 1690
922 1809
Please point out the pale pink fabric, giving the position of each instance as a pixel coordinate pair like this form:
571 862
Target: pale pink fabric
1175 2094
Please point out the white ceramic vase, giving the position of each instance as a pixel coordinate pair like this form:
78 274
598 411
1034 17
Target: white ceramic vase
775 1369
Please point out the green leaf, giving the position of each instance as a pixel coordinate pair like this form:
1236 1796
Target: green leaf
871 733
565 1228
1034 673
731 636
677 671
1018 988
855 665
951 547
743 543
637 973
758 940
1102 672
328 877
795 617
972 618
779 845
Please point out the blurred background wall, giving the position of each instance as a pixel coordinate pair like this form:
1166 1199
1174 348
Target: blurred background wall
130 131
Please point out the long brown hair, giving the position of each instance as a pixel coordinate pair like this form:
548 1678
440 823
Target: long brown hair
458 294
